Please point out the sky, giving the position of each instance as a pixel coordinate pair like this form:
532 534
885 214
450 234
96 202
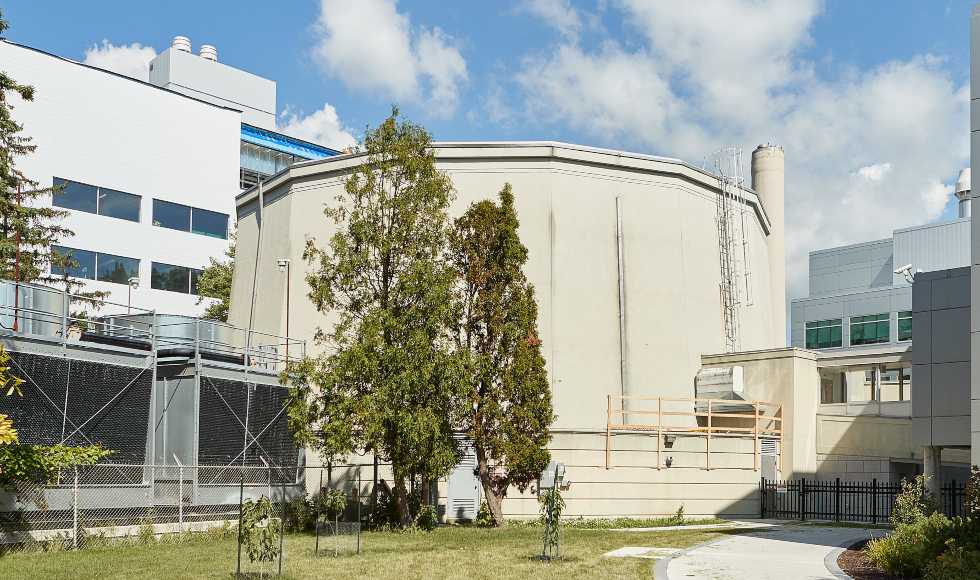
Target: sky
869 99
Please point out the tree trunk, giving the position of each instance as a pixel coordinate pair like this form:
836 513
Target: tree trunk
401 500
494 501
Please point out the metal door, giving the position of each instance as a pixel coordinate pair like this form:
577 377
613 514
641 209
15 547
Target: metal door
464 488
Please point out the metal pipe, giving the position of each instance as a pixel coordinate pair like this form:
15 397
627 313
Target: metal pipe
258 252
622 304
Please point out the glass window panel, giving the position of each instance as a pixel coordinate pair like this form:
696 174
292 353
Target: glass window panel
833 385
860 384
836 336
210 223
907 383
169 277
117 269
194 274
871 329
77 196
85 261
171 215
904 329
119 205
890 385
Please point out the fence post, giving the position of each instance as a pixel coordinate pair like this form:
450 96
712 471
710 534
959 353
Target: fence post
951 499
241 501
316 522
874 500
837 500
74 509
802 499
282 523
180 503
762 493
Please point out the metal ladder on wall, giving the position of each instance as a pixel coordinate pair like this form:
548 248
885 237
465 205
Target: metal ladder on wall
733 248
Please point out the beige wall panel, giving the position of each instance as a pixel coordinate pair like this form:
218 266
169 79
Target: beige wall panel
875 436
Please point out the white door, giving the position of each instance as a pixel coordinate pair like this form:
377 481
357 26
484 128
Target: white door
464 488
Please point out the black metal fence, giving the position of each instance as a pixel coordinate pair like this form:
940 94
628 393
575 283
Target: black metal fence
845 501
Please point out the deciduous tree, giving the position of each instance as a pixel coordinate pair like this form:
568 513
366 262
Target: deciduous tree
509 408
215 282
387 382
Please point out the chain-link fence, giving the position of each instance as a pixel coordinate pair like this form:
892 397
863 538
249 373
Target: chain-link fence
110 504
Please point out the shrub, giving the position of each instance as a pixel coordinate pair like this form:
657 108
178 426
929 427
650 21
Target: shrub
300 514
332 504
973 492
484 518
955 564
912 547
427 519
260 530
914 503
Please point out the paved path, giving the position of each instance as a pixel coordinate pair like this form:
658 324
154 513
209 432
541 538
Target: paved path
784 552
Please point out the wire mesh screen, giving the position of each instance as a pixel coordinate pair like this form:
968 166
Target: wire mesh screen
227 407
79 402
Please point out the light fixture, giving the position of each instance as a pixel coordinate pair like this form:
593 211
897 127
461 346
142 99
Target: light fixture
134 283
283 264
669 441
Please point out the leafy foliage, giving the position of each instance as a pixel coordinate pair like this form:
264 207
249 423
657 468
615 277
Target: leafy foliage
260 530
484 518
955 564
334 502
388 381
215 282
510 406
427 519
973 493
914 503
24 222
300 514
7 380
40 464
8 434
552 505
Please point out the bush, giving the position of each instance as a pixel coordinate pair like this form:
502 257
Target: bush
955 564
914 503
484 518
300 514
427 519
911 548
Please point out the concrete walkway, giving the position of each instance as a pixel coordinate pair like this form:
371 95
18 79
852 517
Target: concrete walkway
783 552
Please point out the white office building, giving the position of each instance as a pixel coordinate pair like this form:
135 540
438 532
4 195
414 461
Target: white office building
150 170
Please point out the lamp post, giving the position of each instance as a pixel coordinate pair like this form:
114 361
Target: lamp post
134 284
284 267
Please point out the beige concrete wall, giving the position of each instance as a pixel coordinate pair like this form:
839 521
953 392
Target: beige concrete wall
566 201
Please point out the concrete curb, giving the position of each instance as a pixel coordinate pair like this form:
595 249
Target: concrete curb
831 560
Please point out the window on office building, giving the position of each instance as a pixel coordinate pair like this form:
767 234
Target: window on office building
190 219
174 278
824 334
871 329
96 266
97 200
905 325
833 385
895 382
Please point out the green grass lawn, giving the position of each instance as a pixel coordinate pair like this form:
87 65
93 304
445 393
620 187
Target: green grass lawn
453 552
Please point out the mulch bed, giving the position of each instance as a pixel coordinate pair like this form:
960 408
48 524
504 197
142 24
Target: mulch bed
855 564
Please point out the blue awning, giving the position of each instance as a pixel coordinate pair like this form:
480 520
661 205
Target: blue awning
284 144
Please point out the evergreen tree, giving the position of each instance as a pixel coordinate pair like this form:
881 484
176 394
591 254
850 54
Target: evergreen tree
215 282
388 382
61 267
509 408
27 228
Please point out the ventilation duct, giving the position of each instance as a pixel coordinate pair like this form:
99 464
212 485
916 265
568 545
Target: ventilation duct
182 43
209 52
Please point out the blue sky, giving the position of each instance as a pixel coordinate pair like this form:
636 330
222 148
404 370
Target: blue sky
869 99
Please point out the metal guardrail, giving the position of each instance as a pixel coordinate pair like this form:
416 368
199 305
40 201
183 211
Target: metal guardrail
673 419
40 311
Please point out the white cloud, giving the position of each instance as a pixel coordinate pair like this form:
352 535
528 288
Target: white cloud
132 60
558 13
372 47
866 153
875 172
322 127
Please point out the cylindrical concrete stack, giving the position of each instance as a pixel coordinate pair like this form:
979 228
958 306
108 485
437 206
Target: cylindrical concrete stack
768 171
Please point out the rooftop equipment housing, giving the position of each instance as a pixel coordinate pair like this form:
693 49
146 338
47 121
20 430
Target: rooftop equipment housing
963 192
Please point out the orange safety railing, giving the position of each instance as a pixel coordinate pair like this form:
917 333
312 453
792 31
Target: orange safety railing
756 432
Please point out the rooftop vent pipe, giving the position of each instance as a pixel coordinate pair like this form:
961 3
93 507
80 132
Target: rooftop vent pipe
182 43
963 192
209 52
